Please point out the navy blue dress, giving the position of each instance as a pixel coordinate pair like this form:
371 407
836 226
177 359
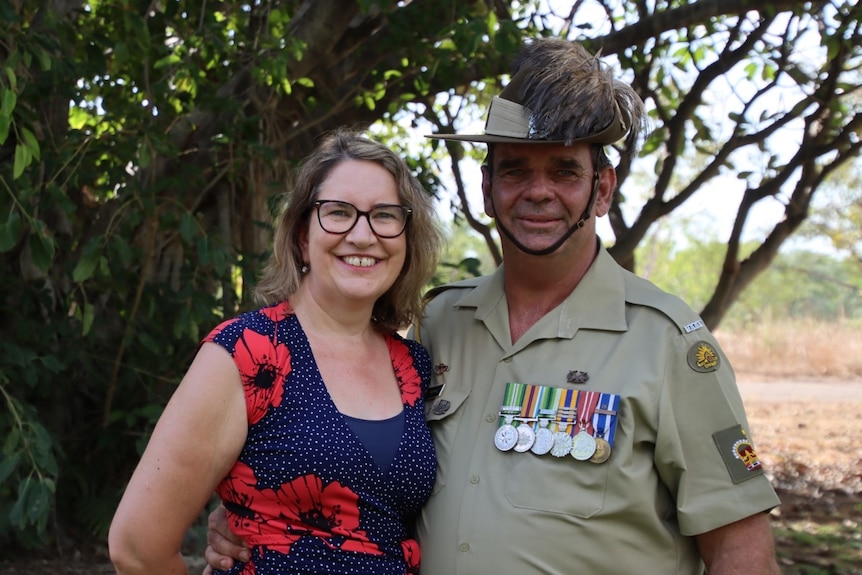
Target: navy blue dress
305 492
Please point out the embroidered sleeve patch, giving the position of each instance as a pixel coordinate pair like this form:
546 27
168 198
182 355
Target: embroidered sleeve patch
738 453
702 357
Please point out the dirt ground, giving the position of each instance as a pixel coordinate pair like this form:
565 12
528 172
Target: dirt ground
807 433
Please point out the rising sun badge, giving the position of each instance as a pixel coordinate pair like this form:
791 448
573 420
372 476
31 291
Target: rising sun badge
703 357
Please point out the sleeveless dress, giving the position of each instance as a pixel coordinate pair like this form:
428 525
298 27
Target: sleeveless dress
305 493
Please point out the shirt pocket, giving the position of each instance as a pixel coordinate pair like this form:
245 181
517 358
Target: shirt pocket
443 417
556 484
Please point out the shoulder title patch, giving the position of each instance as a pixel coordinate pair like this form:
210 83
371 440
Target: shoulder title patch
702 357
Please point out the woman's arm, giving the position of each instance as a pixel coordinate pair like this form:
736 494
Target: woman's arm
195 443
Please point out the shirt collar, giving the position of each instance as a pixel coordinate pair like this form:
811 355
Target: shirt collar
598 301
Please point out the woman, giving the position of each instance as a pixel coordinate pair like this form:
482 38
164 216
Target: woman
306 416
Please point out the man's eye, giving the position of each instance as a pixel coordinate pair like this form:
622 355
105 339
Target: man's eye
512 173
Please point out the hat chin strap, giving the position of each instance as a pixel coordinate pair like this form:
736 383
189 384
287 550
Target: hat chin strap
556 245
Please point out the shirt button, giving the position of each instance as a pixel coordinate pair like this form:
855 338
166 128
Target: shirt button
490 418
474 479
464 547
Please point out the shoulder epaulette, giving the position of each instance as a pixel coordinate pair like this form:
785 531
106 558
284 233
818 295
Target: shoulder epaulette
642 292
463 284
434 292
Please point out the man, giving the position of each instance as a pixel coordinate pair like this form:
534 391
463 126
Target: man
584 420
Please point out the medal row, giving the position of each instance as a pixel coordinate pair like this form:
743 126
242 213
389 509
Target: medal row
590 415
583 446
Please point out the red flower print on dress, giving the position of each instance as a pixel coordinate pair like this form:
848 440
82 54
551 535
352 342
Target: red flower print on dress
408 378
303 507
247 569
238 493
329 512
278 312
410 547
263 365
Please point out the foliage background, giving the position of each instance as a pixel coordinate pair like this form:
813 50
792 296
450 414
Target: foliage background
142 145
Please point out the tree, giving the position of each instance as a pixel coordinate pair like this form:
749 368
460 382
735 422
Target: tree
142 143
838 217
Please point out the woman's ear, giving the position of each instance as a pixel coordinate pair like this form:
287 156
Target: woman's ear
302 239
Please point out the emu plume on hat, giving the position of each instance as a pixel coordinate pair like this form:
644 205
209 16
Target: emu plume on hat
560 94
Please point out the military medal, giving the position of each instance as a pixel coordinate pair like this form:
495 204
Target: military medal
562 442
565 416
507 436
584 444
562 439
544 436
603 451
604 420
526 437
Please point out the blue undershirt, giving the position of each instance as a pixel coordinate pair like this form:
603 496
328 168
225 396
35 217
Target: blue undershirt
381 437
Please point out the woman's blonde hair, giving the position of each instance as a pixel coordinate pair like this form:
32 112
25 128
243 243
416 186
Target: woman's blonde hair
282 275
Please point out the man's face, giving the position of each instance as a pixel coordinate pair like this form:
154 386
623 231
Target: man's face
539 191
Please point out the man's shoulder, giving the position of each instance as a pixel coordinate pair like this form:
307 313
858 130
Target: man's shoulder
642 292
454 289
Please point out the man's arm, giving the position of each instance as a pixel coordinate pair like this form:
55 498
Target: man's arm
740 548
223 545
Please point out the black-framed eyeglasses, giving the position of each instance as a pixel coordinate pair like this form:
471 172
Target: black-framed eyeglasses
385 220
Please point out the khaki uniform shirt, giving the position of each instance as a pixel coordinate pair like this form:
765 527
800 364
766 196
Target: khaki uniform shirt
673 472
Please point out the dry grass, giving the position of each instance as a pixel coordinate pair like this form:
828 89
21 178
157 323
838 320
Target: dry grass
797 348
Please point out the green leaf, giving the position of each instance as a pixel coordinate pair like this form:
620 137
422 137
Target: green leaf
41 249
8 465
10 231
89 316
120 248
22 160
31 143
44 60
188 227
16 515
12 440
10 75
45 457
88 262
8 99
37 502
5 122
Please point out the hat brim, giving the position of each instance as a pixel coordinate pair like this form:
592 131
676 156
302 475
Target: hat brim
492 139
509 123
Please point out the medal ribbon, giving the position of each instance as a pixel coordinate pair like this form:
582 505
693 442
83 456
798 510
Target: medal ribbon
606 422
566 403
548 398
587 401
513 399
528 407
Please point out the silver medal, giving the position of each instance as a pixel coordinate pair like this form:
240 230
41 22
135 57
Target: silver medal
544 439
526 437
507 436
